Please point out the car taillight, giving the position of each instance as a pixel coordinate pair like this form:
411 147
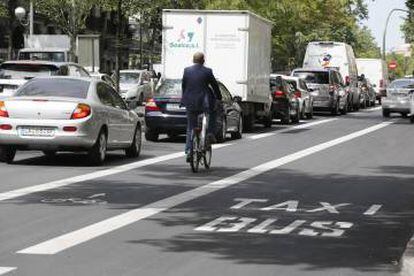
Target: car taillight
70 128
298 94
279 94
81 111
3 110
6 127
381 83
151 105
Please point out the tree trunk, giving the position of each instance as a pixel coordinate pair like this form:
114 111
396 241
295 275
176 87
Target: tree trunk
73 48
118 44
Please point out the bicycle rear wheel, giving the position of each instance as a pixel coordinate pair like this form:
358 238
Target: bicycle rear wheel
208 154
195 154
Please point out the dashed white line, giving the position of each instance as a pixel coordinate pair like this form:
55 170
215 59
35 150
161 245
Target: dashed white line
264 135
4 269
82 235
90 176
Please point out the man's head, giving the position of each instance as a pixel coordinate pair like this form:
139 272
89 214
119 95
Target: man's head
198 58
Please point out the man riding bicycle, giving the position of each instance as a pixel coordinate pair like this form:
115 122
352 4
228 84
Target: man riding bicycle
200 92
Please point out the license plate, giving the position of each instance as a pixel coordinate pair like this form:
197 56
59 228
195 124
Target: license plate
174 107
36 132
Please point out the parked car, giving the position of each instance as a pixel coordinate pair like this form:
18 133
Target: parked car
327 89
285 104
302 93
164 115
135 86
68 114
103 77
398 97
330 54
376 70
14 74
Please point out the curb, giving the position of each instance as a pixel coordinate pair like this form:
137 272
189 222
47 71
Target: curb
407 260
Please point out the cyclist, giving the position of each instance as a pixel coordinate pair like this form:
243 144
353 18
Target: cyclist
198 97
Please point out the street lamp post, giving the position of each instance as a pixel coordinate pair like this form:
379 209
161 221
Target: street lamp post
21 15
385 30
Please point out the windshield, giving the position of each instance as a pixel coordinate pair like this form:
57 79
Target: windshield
313 77
129 78
55 88
26 71
50 56
170 88
409 83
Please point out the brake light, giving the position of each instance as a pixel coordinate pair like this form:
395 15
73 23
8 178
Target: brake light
151 105
3 110
6 127
81 111
298 94
279 94
381 84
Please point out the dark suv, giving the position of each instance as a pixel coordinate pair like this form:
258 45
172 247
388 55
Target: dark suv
285 105
327 89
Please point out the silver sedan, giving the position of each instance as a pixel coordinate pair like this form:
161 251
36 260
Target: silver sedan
68 114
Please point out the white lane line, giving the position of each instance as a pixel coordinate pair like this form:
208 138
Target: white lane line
90 176
82 235
4 270
264 135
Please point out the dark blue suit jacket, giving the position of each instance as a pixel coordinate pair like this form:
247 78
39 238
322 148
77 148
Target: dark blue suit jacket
200 88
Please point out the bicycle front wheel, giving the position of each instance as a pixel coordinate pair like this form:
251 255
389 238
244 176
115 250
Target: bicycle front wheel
195 154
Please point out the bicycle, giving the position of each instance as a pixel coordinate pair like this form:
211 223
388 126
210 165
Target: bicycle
201 151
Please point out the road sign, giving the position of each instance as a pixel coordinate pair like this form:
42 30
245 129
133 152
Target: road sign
392 65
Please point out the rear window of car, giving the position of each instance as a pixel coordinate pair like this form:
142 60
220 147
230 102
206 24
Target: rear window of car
70 88
409 83
170 88
313 77
26 71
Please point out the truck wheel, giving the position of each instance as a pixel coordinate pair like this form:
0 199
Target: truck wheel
248 122
386 113
7 154
135 149
151 135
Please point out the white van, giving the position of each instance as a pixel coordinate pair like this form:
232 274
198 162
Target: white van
376 71
329 54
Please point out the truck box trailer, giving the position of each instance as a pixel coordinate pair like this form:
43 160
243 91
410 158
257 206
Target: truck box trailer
237 45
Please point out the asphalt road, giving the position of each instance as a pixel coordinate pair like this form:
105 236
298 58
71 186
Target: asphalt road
330 196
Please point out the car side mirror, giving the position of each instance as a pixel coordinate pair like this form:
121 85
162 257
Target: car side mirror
237 99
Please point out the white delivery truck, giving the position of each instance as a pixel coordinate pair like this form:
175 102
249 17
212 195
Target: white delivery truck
325 54
237 45
376 71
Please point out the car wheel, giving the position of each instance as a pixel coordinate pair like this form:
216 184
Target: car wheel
151 135
135 149
404 115
97 154
379 101
412 119
248 122
309 115
49 153
221 135
7 154
357 106
386 113
239 133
